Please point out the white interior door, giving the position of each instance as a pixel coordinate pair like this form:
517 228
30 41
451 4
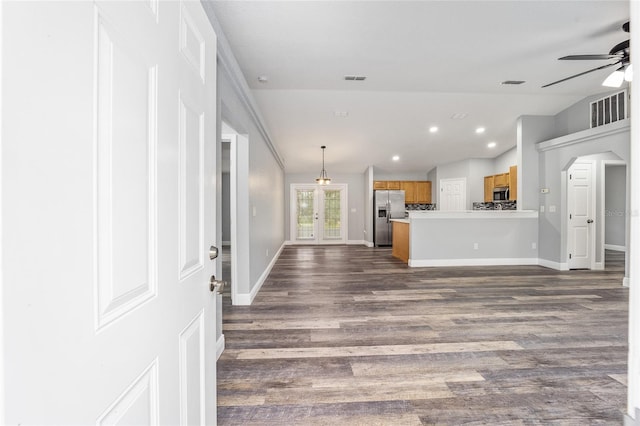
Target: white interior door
108 170
581 214
453 194
318 214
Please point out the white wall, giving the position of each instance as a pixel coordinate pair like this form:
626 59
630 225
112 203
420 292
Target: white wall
265 175
505 160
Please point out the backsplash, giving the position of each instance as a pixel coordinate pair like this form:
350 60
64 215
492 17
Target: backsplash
420 206
497 205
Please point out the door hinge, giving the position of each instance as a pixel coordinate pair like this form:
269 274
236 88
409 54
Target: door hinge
570 176
570 216
569 255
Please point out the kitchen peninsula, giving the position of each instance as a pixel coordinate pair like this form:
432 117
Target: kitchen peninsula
469 238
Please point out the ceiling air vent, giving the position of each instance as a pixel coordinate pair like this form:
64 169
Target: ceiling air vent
354 77
512 82
609 110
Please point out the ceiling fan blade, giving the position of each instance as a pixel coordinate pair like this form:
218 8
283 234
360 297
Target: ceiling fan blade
582 73
588 57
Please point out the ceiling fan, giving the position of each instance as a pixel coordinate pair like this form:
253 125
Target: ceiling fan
620 53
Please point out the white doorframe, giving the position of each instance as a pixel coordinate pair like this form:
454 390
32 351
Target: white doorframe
231 139
318 238
592 213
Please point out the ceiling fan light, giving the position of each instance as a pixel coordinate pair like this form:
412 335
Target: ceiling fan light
615 79
628 73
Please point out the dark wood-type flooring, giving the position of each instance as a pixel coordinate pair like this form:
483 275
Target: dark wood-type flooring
348 335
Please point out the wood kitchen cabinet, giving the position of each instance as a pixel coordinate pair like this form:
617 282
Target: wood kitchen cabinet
386 184
415 191
513 183
488 189
409 188
501 180
423 192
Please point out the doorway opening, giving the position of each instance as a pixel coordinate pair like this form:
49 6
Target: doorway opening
318 214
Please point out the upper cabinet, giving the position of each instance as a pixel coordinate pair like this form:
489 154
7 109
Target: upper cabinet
415 192
513 183
501 180
423 192
386 184
488 189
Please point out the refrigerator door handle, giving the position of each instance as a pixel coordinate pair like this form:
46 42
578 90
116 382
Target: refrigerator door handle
388 211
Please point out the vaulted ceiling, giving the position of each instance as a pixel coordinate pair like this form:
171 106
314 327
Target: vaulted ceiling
426 63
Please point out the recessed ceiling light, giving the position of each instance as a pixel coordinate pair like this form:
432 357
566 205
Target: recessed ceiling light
433 129
480 130
491 145
395 157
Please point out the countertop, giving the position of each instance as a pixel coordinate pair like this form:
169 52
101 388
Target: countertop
401 220
473 214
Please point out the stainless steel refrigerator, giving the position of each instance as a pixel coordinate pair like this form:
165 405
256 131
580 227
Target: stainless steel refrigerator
387 205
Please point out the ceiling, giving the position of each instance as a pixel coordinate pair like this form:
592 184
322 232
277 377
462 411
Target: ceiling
424 61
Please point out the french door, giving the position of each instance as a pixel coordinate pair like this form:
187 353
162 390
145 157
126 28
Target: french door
318 214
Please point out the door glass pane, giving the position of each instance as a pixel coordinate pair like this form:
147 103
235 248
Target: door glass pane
332 226
304 214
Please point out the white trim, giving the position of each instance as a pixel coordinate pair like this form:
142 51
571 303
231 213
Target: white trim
585 135
615 247
625 282
246 299
558 266
219 346
2 360
473 262
598 266
359 243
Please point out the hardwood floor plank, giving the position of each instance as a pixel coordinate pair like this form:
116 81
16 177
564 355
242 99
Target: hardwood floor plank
349 335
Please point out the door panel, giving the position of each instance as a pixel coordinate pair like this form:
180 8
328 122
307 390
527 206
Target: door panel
580 207
453 194
113 170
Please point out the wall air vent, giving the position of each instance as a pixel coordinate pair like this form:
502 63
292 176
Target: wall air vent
355 77
512 82
609 109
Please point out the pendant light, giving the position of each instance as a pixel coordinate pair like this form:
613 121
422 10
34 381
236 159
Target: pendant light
323 179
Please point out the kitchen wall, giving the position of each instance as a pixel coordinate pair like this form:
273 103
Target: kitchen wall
505 160
356 194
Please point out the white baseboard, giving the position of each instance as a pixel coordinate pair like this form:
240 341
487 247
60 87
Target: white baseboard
625 281
359 243
558 266
246 299
472 262
614 247
219 346
598 266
